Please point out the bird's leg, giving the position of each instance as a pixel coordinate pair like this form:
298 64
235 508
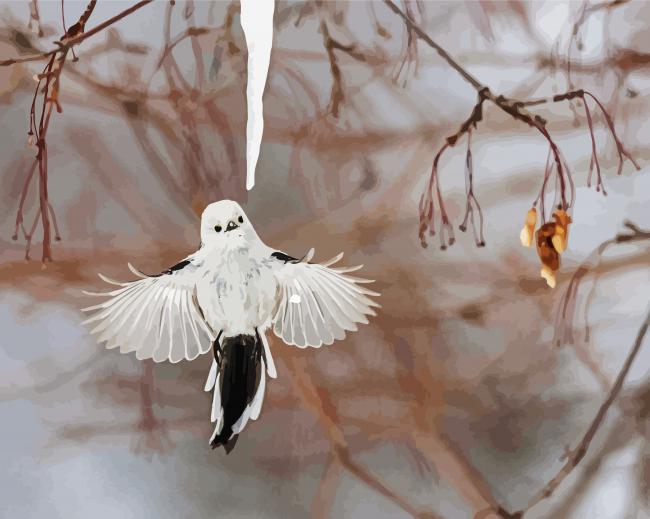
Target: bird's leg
260 343
216 348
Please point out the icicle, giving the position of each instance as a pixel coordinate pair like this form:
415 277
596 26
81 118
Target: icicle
257 23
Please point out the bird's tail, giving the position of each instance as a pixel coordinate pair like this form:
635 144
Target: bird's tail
237 379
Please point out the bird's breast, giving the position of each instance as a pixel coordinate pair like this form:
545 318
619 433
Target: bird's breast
238 297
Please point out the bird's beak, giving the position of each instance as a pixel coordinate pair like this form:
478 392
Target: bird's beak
231 225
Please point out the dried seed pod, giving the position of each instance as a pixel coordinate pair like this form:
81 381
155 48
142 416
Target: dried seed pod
559 240
527 232
548 254
545 249
562 221
549 276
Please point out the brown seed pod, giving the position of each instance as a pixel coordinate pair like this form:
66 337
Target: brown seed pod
528 231
547 253
562 221
549 276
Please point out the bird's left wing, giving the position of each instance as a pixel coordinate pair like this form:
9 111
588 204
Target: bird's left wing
316 302
156 316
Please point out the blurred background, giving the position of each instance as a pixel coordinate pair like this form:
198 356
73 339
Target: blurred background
455 401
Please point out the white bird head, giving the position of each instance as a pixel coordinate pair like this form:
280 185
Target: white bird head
224 225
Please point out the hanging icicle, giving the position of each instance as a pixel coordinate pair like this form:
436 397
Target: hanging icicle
257 23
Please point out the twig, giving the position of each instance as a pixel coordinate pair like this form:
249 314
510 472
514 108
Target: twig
566 310
67 43
576 455
443 53
472 203
35 17
410 50
316 400
517 110
329 482
337 95
38 126
50 98
586 11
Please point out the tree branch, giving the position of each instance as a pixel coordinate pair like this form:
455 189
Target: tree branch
577 454
517 110
317 401
478 86
67 42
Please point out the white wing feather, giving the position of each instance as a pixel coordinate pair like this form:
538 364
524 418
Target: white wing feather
154 316
318 303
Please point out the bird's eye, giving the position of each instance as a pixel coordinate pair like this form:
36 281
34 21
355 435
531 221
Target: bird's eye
240 219
217 228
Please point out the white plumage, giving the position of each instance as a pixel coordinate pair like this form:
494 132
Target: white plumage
232 289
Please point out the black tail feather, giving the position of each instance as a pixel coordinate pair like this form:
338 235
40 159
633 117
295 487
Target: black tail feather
229 445
240 370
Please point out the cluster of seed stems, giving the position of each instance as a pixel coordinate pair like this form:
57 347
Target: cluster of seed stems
47 92
557 173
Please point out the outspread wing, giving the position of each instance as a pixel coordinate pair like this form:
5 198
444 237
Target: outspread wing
157 316
317 303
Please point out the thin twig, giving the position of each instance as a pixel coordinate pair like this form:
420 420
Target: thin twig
576 455
566 310
565 194
67 43
316 400
337 95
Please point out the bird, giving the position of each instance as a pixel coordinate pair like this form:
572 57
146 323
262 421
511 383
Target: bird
224 298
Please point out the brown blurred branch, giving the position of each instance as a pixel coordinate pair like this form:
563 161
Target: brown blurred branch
337 96
412 26
567 308
35 17
576 455
330 480
447 460
316 399
155 431
73 39
565 317
410 47
190 32
587 10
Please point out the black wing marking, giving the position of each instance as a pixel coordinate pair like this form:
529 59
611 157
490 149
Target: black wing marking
179 266
155 316
216 349
284 257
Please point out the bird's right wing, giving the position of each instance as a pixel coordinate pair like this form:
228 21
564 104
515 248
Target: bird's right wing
317 303
157 316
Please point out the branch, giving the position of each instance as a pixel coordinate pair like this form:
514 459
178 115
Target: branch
35 17
443 53
337 95
517 110
577 454
67 42
566 311
39 125
317 401
326 492
410 48
586 12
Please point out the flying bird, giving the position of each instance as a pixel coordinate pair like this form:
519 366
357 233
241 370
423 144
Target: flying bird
224 297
